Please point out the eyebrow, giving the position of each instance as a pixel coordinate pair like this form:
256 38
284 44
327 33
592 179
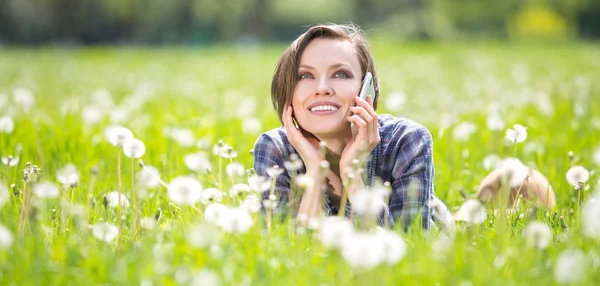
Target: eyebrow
334 66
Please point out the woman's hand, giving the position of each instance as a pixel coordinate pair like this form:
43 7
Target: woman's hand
307 145
367 135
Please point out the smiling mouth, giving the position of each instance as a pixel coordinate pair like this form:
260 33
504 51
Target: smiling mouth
324 109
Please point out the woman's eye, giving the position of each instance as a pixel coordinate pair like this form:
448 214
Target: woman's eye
305 75
341 74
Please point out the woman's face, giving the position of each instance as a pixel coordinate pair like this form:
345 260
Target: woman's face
330 79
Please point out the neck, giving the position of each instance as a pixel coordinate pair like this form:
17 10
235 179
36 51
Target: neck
335 142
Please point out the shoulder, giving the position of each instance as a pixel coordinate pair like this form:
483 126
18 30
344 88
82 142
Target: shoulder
272 146
393 129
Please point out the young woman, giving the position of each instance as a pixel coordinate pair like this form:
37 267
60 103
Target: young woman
316 83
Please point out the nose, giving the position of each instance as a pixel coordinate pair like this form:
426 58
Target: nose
324 87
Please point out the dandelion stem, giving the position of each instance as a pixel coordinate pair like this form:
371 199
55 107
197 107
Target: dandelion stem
133 199
119 192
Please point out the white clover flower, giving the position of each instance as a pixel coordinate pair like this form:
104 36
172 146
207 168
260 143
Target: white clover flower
492 161
591 217
203 235
4 194
235 220
112 200
494 122
235 169
148 223
68 175
537 234
471 212
10 161
205 277
7 125
46 190
518 134
463 131
395 100
259 184
185 190
214 212
251 125
367 204
394 247
514 171
597 156
577 175
134 148
197 162
335 231
251 203
91 115
6 237
148 177
117 135
24 98
105 231
238 189
570 266
362 251
211 195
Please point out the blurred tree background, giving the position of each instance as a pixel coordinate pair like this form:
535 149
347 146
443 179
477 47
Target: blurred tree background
202 22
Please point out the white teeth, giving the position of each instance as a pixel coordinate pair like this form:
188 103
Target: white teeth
324 107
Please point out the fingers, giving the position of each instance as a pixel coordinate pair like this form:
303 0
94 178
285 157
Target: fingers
365 110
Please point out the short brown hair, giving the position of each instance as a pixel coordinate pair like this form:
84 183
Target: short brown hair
286 71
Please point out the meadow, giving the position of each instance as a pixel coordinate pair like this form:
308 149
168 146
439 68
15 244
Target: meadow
63 222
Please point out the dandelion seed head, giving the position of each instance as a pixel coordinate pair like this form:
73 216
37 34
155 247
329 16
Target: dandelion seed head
334 232
491 161
251 125
46 190
91 115
6 237
235 169
274 171
494 122
463 131
516 135
570 266
211 195
471 212
251 203
117 135
24 98
148 223
235 220
394 247
591 217
363 252
203 235
105 231
148 177
7 124
134 148
112 200
537 234
304 181
68 175
514 171
367 204
214 212
184 137
577 175
259 183
10 161
197 162
185 190
238 190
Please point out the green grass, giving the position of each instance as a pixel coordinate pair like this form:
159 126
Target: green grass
204 90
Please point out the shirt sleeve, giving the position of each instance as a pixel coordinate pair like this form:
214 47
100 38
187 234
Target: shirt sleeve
412 176
268 152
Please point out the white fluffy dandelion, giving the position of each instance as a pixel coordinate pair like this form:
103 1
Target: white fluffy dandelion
68 175
7 124
570 266
211 195
148 178
363 251
6 237
203 235
112 200
591 217
494 122
183 136
235 169
24 98
514 171
259 184
117 135
491 162
471 212
518 134
10 161
367 204
537 234
91 115
134 148
463 131
235 220
46 190
251 203
577 175
251 125
214 212
394 247
197 162
238 189
334 232
185 190
105 231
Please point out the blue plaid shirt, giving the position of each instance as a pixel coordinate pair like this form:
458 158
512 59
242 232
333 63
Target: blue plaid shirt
403 157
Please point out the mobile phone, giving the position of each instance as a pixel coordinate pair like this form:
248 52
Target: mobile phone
367 89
